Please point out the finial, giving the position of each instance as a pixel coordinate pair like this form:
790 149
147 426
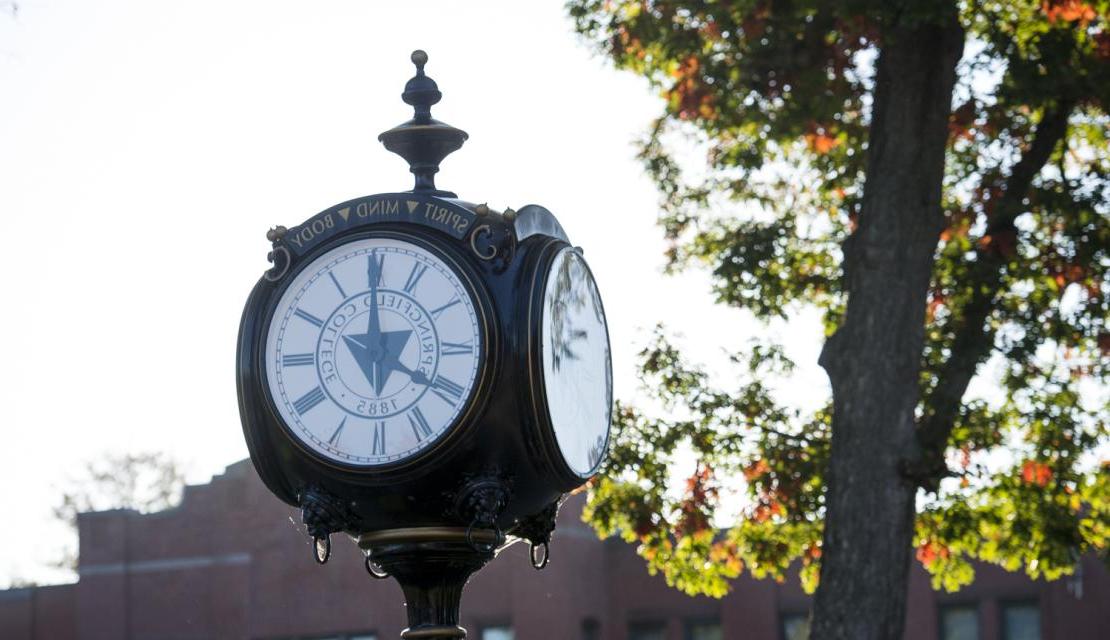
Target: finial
423 141
421 91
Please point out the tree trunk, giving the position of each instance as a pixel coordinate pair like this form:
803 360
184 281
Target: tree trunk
874 359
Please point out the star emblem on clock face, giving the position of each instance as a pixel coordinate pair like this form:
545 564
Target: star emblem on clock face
372 351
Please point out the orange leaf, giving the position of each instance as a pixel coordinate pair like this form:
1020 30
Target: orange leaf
1068 11
925 553
756 469
712 31
930 551
821 143
1038 473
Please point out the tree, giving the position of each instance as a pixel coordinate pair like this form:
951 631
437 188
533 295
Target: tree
935 178
146 482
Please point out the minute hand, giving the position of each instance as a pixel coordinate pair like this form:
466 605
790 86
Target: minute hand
374 327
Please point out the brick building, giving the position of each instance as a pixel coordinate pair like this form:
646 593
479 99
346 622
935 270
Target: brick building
231 562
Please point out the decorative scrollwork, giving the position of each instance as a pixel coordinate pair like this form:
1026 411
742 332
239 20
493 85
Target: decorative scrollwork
281 259
480 237
480 502
537 530
495 243
323 514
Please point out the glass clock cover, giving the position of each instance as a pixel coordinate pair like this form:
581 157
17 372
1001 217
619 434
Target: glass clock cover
372 351
577 371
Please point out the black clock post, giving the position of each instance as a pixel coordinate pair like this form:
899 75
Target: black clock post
426 375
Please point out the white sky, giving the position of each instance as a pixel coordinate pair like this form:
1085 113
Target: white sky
146 146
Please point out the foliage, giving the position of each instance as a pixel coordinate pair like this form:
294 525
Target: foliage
777 95
145 482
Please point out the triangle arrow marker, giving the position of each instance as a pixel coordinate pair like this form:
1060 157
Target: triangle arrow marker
344 212
411 204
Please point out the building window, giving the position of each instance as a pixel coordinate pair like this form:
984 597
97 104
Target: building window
795 626
703 630
591 629
959 622
497 633
362 635
1021 621
647 631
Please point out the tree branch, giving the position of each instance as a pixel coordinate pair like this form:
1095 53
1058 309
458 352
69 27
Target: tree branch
974 340
786 436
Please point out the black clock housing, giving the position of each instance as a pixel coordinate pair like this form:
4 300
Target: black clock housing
496 473
504 432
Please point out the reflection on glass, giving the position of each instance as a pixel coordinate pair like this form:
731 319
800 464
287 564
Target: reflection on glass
497 633
1021 621
704 631
795 626
578 376
959 623
647 631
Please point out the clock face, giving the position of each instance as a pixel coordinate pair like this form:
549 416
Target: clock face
373 351
577 372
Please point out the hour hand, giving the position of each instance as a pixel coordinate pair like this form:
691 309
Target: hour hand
415 375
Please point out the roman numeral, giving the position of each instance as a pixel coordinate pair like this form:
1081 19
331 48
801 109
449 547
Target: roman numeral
446 389
375 270
417 272
438 310
304 315
338 430
309 400
331 274
297 359
378 442
420 427
455 348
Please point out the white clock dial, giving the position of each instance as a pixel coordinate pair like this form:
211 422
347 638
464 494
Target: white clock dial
372 351
577 372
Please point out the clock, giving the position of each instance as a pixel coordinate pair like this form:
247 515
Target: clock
569 366
576 370
373 351
428 375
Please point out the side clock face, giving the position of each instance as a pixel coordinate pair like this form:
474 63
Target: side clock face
373 351
577 370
